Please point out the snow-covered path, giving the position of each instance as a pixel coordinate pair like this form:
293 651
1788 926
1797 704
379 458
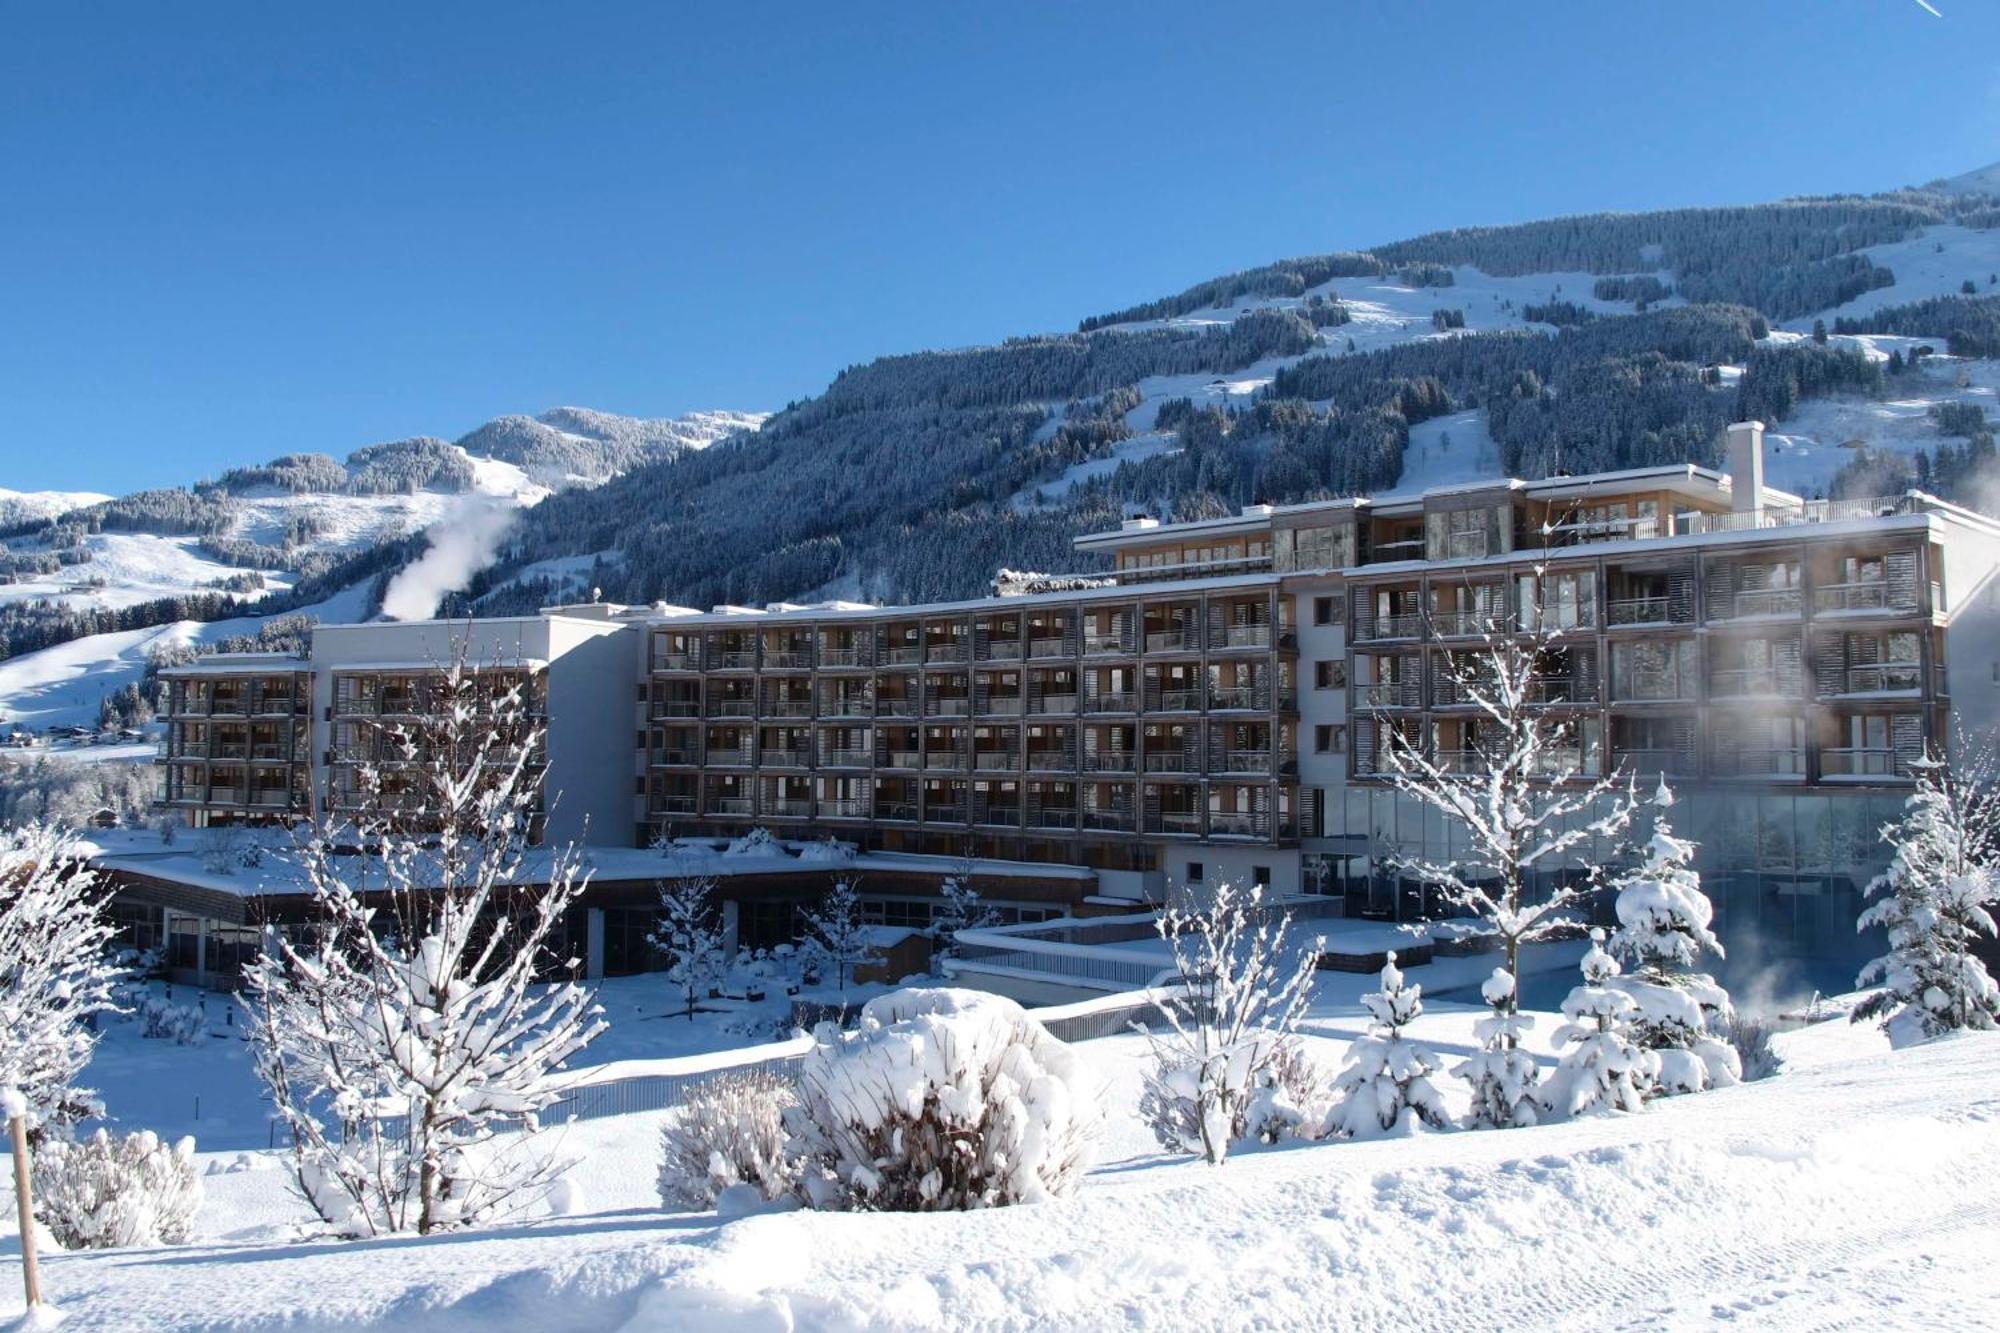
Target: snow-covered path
1857 1189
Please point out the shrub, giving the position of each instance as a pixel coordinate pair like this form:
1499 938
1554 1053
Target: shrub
728 1132
1751 1037
185 1024
103 1193
941 1100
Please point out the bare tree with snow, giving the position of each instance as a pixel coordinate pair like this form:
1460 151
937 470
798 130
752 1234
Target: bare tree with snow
1386 1086
836 935
959 908
1934 901
690 934
1604 1067
1663 930
56 970
1521 797
1243 989
406 1040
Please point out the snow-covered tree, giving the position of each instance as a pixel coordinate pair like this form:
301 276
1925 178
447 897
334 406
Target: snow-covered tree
940 1100
836 935
1520 799
959 908
1605 1068
1504 1077
405 1040
56 970
1386 1086
689 932
1934 902
1663 929
1243 988
105 1193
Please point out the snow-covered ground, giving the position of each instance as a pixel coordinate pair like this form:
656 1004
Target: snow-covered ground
21 506
1445 451
1856 1189
1937 261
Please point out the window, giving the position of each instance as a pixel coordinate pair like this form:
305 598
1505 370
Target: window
1322 610
1329 738
1194 872
1330 674
1260 876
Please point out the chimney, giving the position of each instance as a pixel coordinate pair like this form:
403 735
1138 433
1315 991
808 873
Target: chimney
1746 467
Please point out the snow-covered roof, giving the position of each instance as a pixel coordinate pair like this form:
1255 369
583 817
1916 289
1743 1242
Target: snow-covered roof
239 664
429 665
861 612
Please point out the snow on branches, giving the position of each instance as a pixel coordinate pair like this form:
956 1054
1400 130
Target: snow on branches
1386 1087
836 936
1502 1074
406 1039
940 1100
56 970
1663 929
1933 901
1520 798
106 1193
690 934
726 1134
1229 1023
1604 1069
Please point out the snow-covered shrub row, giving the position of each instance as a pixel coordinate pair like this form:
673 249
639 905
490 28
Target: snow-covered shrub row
942 1099
104 1193
725 1133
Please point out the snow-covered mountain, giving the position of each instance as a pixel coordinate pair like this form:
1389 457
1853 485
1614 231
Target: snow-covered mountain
1986 180
26 506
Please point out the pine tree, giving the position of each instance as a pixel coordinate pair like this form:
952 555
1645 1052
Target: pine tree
690 934
1933 900
1605 1069
1503 1075
1386 1087
1663 929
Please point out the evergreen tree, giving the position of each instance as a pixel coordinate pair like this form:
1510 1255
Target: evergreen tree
1604 1069
1502 1074
1386 1087
1663 929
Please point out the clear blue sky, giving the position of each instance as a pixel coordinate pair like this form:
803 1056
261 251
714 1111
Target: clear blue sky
234 230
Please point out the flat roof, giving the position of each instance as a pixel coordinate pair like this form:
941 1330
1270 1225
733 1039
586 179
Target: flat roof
239 664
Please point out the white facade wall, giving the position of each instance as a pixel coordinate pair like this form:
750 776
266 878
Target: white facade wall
1971 578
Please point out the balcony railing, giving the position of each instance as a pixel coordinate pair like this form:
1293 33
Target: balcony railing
906 655
732 707
1750 682
1382 553
676 708
1056 703
1171 761
731 756
1002 650
1860 762
1471 624
1244 636
677 757
1053 817
950 705
1178 701
789 708
1177 822
843 807
1634 686
902 759
1550 691
1110 761
1870 595
1005 816
840 657
1051 761
943 759
736 659
1652 763
1108 821
786 757
1761 762
899 812
944 814
947 652
850 706
1246 761
789 808
896 707
1638 611
1761 602
1885 678
1406 626
1046 648
1381 694
787 659
1224 697
1002 705
996 761
849 757
732 805
674 805
676 662
1237 824
1112 701
1167 641
1100 644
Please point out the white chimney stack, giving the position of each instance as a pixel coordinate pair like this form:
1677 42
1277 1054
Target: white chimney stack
1746 467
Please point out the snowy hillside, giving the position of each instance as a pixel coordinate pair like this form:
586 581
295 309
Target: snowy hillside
22 506
1853 1189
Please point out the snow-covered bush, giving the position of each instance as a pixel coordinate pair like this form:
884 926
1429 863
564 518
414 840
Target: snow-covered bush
942 1099
1933 900
1242 991
1386 1086
183 1024
56 971
104 1193
729 1131
1663 929
1604 1069
1291 1098
1503 1075
1750 1037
